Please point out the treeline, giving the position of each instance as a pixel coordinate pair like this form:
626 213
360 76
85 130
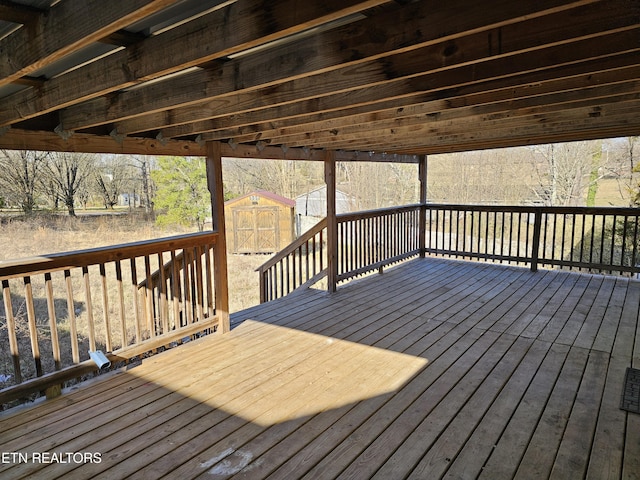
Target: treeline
555 174
31 180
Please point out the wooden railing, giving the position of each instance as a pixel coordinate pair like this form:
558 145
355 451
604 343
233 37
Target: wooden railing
300 264
57 308
599 240
370 240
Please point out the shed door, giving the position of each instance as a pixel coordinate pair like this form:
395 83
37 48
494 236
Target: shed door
256 230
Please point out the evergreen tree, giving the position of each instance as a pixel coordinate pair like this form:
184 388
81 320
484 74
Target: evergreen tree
182 196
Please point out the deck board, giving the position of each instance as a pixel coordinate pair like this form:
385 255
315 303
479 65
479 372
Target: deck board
434 369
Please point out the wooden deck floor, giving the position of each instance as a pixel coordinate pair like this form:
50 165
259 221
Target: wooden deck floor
434 369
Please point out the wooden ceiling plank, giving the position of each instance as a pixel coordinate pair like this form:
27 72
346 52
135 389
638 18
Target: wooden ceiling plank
464 119
411 27
525 138
585 75
498 132
558 90
244 24
439 112
515 39
68 26
449 85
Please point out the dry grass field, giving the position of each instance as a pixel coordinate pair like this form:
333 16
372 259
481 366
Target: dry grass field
44 234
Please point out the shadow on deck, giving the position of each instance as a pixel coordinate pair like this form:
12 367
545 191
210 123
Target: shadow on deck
435 368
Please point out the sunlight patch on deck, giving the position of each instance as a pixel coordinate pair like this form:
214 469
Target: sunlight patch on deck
267 374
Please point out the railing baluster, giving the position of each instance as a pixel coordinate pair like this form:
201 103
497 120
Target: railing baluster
602 235
188 276
73 328
209 277
510 235
614 223
201 305
592 242
464 232
624 241
89 304
136 299
634 255
148 298
33 329
53 327
121 305
307 271
163 307
105 307
11 331
582 237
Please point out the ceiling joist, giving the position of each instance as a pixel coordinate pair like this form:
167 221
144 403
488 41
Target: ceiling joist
294 79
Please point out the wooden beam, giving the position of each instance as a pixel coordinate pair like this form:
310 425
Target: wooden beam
350 45
236 27
216 190
422 227
332 222
315 155
67 27
16 139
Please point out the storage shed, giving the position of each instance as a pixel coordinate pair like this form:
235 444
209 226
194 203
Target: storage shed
311 207
259 222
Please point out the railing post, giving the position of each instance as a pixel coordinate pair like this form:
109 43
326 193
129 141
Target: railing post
422 233
214 182
535 247
263 286
332 223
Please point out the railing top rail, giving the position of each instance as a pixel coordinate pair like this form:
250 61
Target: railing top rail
292 247
93 256
346 217
538 208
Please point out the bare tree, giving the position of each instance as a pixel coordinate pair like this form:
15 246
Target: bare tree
284 177
112 177
563 171
141 183
68 173
20 172
19 175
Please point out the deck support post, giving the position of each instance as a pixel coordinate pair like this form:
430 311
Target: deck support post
332 223
214 183
422 228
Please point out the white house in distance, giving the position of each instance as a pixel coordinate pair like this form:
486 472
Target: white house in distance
311 207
